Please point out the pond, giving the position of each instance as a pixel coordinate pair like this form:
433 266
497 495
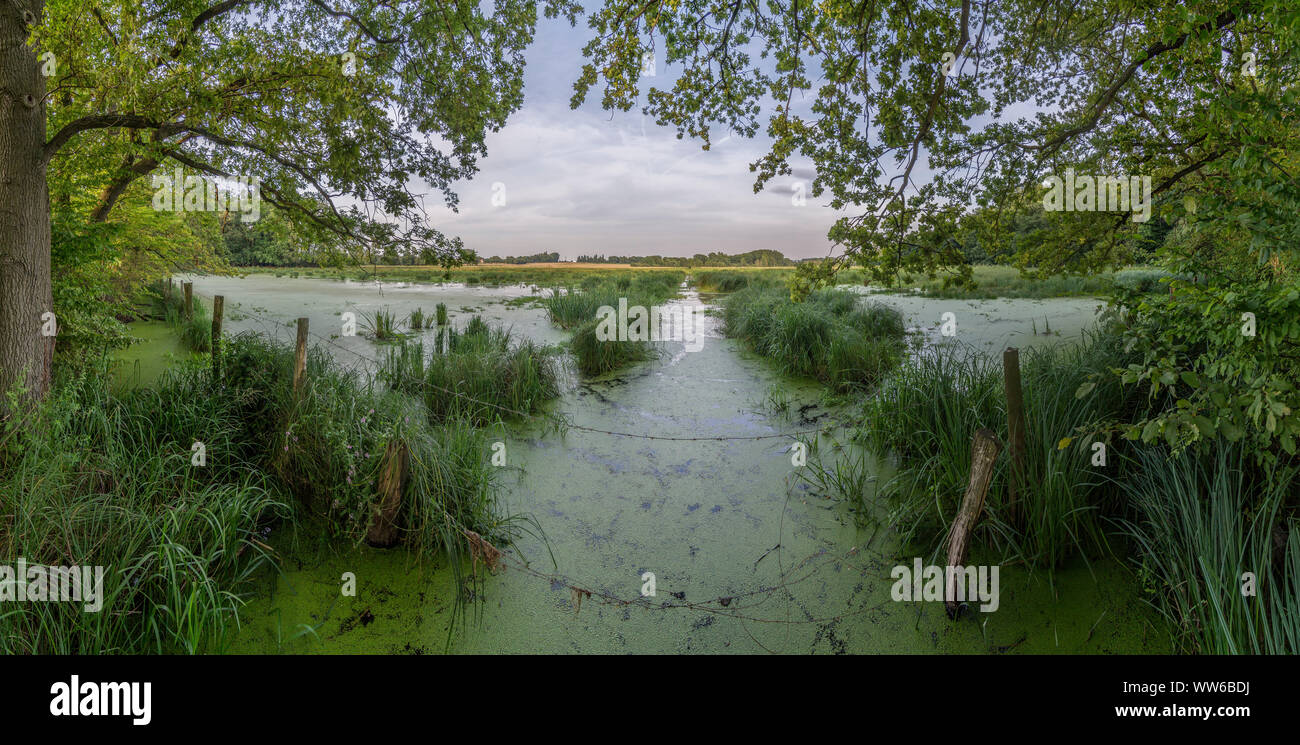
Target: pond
746 556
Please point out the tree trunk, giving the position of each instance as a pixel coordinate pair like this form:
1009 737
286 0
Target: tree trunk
983 457
25 355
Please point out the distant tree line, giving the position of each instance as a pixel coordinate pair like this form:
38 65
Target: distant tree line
542 258
760 257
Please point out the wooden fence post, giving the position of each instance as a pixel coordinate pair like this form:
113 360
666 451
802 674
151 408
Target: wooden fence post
383 528
218 303
189 301
983 457
300 355
1015 430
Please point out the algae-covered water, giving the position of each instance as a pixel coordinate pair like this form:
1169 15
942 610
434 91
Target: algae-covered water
140 364
746 556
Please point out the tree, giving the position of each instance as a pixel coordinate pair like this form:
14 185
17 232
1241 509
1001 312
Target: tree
1000 103
989 97
317 103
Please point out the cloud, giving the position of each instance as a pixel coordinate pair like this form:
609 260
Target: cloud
590 182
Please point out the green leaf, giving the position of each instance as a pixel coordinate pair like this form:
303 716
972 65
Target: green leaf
1204 426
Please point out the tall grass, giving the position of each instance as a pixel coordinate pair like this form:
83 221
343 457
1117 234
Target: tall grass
1202 521
91 479
195 331
831 336
731 280
927 414
484 376
382 325
570 307
576 305
102 481
1196 520
578 308
418 320
326 446
595 356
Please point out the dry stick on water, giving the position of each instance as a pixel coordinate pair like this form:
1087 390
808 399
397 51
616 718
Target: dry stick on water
983 456
1015 429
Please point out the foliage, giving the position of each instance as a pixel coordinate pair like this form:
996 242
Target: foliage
541 258
309 99
990 99
1224 343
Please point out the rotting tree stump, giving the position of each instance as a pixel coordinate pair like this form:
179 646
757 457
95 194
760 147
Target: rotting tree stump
983 457
385 529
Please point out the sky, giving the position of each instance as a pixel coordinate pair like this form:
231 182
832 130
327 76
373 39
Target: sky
588 181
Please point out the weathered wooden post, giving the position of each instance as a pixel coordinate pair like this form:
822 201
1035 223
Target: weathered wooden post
1015 430
383 529
189 301
983 457
300 355
218 303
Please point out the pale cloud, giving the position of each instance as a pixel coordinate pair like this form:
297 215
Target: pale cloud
588 181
